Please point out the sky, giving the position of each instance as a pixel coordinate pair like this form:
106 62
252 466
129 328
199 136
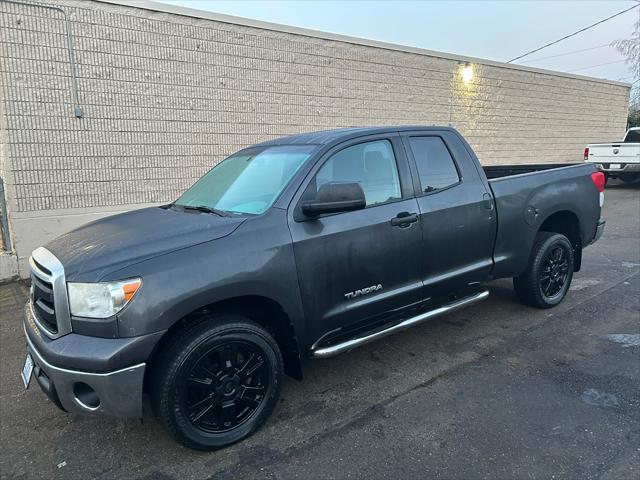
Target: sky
494 30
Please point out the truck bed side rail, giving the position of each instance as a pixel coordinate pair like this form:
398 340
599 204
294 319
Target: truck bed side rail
499 171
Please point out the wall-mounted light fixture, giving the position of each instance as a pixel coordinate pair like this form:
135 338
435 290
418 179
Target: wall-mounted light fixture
466 73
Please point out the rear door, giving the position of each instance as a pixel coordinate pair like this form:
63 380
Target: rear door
457 214
356 267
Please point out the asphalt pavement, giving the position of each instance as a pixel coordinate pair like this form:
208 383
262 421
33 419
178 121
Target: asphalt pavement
497 390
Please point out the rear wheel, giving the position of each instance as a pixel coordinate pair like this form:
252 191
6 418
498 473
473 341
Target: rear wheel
216 382
546 281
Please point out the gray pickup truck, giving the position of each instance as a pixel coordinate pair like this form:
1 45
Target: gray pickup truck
305 246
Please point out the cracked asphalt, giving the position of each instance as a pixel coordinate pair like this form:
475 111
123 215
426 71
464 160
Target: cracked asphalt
498 390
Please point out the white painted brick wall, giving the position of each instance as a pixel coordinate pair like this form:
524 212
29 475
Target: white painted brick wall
166 96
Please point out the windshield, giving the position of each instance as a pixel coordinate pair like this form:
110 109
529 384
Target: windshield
249 181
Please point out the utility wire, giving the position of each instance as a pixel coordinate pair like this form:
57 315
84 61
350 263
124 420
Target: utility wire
568 53
573 34
598 65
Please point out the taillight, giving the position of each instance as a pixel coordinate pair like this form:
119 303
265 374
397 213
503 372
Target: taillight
586 154
598 180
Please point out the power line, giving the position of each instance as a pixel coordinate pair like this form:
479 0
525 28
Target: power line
598 65
573 34
568 53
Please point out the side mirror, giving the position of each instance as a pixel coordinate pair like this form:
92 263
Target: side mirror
334 198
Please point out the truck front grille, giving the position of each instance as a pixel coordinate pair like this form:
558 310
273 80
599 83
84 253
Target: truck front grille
42 298
49 302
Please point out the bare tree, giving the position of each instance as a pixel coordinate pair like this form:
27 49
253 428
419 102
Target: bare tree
630 48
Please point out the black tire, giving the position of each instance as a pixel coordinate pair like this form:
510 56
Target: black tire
216 361
546 281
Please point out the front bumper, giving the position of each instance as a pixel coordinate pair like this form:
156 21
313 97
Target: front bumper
85 374
117 393
599 231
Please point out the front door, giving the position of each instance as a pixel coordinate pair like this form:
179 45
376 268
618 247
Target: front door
357 266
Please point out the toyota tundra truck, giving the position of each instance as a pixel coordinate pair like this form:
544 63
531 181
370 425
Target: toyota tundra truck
302 247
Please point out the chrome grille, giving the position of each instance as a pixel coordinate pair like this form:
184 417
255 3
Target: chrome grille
49 303
43 302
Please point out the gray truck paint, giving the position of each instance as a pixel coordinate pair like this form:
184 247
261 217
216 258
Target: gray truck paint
473 231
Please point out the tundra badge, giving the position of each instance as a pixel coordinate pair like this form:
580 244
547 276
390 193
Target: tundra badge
363 291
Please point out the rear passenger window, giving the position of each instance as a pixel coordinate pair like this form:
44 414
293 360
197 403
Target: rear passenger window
435 165
371 164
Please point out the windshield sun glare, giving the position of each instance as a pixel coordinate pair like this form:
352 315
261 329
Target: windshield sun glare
249 181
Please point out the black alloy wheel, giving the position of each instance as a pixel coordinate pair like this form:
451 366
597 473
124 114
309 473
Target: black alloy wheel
226 386
547 277
555 271
216 381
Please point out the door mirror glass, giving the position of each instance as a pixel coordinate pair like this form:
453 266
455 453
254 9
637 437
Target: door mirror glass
335 197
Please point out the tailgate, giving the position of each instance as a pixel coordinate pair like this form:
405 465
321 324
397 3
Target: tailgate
614 153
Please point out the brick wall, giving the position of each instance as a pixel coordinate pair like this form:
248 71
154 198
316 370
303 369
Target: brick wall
164 97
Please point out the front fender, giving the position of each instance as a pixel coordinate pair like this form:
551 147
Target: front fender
253 261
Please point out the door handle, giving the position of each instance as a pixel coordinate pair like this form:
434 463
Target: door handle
404 219
488 201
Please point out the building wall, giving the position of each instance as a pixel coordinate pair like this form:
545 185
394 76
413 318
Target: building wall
165 96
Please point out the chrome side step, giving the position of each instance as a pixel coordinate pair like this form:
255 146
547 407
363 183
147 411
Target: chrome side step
409 322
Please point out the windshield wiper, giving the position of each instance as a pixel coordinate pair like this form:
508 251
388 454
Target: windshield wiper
204 208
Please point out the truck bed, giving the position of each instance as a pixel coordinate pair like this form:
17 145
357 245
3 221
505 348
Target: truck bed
499 171
526 195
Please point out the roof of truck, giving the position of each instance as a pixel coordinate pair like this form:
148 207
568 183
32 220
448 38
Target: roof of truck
324 137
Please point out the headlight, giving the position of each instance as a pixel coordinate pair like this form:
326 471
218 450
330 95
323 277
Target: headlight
101 300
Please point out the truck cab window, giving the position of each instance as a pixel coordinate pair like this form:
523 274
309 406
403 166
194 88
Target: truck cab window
435 165
371 164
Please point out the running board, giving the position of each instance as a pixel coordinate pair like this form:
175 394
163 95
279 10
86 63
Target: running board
409 322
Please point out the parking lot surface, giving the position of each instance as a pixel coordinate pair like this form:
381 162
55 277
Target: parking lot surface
498 390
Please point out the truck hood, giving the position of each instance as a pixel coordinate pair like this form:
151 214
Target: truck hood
91 251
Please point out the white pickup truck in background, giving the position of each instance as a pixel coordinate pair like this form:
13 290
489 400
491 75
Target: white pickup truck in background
619 159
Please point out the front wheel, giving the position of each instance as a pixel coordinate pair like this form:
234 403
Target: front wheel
546 281
216 382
